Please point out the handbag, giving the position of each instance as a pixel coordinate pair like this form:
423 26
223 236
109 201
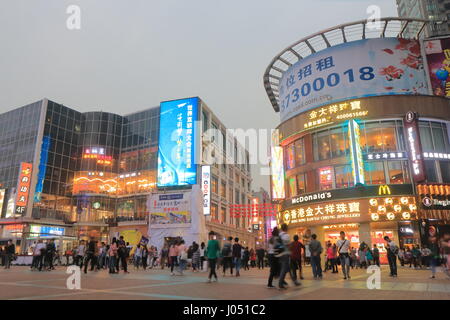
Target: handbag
183 255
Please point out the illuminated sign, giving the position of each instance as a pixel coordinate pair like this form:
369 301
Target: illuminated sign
415 147
436 155
361 191
23 187
277 167
45 231
385 155
334 113
392 208
177 143
2 198
356 152
434 196
170 208
98 150
384 190
42 168
352 70
206 189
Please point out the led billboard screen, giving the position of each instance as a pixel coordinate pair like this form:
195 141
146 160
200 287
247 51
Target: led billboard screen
177 143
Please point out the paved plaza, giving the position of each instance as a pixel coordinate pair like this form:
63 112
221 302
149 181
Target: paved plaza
19 283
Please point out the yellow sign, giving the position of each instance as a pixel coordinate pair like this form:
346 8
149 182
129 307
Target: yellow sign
383 190
335 112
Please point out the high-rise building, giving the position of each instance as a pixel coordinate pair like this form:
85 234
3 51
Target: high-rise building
438 11
92 173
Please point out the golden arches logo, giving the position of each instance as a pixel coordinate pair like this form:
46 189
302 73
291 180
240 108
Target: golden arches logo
384 190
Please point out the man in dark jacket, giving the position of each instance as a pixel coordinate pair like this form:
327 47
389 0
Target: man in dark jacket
237 255
9 254
296 257
50 254
315 247
260 253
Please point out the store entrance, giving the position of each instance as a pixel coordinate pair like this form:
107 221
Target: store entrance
332 233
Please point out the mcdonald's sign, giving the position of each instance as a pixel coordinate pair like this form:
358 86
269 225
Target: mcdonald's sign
384 190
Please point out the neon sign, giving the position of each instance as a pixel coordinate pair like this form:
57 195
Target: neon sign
356 152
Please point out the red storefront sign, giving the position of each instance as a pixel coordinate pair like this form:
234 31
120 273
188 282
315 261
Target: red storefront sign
23 187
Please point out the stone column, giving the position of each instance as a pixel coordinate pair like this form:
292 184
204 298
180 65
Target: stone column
364 233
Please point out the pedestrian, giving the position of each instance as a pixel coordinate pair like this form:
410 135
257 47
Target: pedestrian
252 258
369 256
392 251
123 253
137 256
227 256
182 256
237 255
91 254
80 254
260 253
202 255
273 259
296 248
212 253
401 257
173 256
10 251
112 253
315 248
433 257
353 257
376 255
245 258
37 256
331 256
362 255
416 257
101 256
155 257
50 254
144 256
343 251
196 257
426 256
164 256
283 256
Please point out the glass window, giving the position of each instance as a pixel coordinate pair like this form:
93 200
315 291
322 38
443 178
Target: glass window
425 138
292 186
375 172
398 172
430 170
301 183
299 152
439 141
339 144
373 141
289 155
445 171
326 178
321 146
344 177
214 185
388 139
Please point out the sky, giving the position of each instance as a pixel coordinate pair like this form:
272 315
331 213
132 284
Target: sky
129 55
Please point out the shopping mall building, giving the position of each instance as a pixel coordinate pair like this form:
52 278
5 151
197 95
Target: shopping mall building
363 143
71 175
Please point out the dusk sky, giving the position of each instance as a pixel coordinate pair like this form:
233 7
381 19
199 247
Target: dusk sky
130 55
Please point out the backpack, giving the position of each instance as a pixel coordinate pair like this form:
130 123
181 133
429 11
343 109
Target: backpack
393 248
226 250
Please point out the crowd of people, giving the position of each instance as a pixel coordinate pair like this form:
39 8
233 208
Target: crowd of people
283 256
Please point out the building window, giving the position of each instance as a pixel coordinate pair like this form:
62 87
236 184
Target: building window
326 178
398 172
214 212
434 136
223 190
375 172
379 137
321 142
214 185
445 171
301 184
292 186
205 121
223 215
289 155
430 169
344 176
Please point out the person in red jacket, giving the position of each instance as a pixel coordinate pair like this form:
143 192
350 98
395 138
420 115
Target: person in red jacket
296 248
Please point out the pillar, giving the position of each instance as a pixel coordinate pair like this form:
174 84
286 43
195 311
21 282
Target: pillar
364 234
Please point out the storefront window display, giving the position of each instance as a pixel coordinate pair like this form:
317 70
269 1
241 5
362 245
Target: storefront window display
377 238
326 178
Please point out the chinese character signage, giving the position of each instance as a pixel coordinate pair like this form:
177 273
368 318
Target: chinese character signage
327 115
356 152
23 188
170 208
434 196
177 143
410 123
370 67
45 231
277 168
206 189
438 60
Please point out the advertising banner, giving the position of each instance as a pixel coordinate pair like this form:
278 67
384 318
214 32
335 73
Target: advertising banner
23 188
206 189
170 208
177 143
370 67
356 152
277 168
438 60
